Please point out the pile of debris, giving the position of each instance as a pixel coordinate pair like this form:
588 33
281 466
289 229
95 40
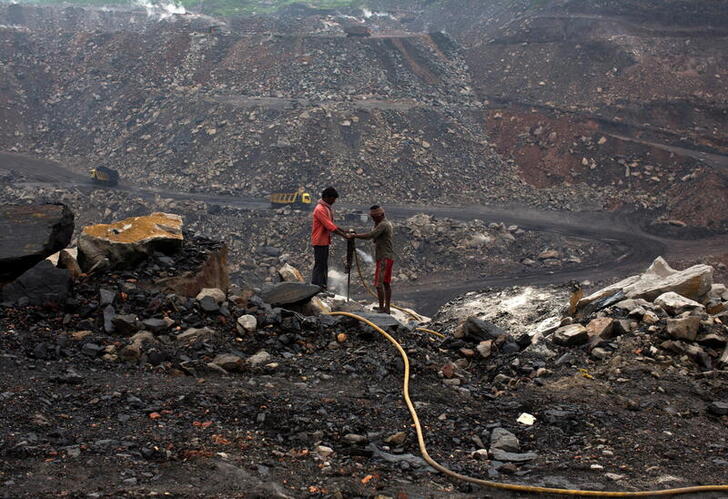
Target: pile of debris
669 312
144 291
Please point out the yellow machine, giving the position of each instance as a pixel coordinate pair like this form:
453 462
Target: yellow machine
104 176
299 199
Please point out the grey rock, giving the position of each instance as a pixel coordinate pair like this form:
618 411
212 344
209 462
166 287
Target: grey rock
261 357
385 321
398 458
31 233
109 314
40 285
557 416
232 476
125 324
674 304
718 408
289 293
155 325
513 457
208 304
504 440
92 349
106 297
247 324
480 330
694 283
353 438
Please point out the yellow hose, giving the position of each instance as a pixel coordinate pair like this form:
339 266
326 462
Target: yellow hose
509 486
424 329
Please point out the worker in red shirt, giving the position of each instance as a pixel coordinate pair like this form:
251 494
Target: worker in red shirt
321 229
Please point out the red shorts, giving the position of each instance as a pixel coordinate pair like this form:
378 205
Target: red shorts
383 273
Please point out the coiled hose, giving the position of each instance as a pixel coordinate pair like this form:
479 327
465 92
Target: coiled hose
499 485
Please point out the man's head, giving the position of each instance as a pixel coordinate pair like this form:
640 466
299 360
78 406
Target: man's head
377 213
329 195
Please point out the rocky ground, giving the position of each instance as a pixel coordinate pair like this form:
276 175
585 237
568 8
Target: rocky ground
125 390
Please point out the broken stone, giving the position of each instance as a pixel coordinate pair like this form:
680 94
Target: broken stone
208 304
601 327
718 408
193 334
42 284
125 324
674 304
571 335
288 293
323 451
67 261
484 348
290 273
261 357
503 439
229 361
650 317
31 233
125 243
247 324
513 457
481 330
216 294
397 439
694 283
685 328
353 438
155 325
549 254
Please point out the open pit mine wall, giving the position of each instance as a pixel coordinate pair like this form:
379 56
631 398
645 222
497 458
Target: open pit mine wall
627 93
577 93
250 113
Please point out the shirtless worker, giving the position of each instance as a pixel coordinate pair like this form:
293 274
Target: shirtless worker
382 235
321 229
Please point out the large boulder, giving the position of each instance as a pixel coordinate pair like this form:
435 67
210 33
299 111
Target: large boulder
125 243
289 293
31 233
693 283
41 285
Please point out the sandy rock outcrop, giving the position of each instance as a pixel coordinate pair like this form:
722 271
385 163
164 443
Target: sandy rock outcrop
128 241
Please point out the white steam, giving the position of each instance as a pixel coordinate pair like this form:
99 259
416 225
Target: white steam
365 256
161 10
337 282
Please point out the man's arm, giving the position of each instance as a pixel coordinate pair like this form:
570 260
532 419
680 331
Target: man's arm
371 235
322 217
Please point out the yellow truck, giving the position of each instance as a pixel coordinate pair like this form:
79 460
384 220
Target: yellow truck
104 176
299 199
